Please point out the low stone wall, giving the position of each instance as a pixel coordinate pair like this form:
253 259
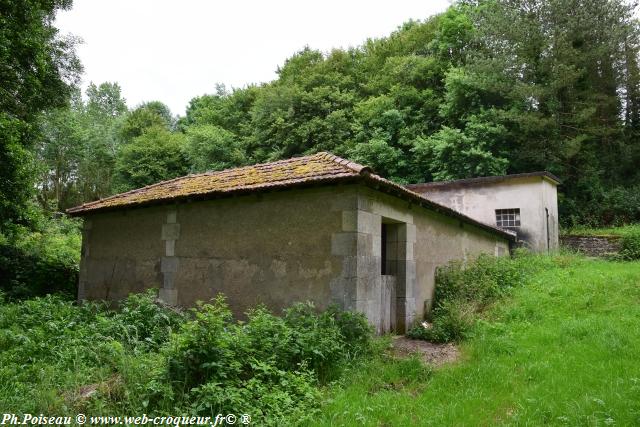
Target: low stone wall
591 245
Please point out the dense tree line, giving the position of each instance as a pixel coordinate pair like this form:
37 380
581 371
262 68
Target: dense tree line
38 69
488 87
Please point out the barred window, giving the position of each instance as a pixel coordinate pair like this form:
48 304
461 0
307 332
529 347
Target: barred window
508 218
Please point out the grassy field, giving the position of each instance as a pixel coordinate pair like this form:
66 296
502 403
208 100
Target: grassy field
564 350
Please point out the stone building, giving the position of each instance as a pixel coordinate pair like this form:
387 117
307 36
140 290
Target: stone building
315 228
525 203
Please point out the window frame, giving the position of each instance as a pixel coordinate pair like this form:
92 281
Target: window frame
508 218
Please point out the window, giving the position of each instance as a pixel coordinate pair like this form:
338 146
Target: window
508 218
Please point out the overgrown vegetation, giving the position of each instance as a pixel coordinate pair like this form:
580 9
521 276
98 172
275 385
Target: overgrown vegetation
562 350
56 357
464 290
630 249
41 259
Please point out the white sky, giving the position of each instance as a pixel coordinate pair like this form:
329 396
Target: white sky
172 51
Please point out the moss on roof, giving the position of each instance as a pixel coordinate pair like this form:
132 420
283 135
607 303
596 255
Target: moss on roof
318 167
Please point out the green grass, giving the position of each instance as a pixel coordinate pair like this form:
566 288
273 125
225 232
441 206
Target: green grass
564 350
627 230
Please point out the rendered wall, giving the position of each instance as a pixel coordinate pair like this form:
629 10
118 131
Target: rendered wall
321 244
550 201
273 249
531 195
424 240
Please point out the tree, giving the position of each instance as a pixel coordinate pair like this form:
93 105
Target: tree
210 147
37 72
146 116
383 158
560 74
101 122
77 147
59 152
451 154
154 156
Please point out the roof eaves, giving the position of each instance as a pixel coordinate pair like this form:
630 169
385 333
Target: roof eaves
341 178
349 170
485 180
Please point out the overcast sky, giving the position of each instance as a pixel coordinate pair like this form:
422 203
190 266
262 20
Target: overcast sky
172 51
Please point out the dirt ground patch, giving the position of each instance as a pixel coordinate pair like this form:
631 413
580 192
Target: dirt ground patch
433 354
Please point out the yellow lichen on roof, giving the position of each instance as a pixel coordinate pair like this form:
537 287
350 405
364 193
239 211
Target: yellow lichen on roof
318 168
283 173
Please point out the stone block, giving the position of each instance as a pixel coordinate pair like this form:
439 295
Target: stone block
350 220
168 280
169 264
170 231
364 203
376 246
349 267
369 223
405 251
343 292
405 313
370 288
363 306
395 211
170 247
171 217
360 266
351 244
407 233
361 221
168 296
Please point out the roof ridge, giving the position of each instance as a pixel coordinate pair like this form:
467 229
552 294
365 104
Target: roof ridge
255 165
353 166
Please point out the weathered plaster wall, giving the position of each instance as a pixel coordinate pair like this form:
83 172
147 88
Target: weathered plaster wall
273 249
550 201
425 240
440 240
531 195
320 244
121 253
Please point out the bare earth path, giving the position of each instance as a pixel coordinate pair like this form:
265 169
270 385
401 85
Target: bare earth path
433 354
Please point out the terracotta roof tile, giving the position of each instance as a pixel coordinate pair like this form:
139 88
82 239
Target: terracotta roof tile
283 173
317 168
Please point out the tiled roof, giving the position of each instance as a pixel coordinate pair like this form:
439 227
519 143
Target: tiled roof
299 171
284 173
